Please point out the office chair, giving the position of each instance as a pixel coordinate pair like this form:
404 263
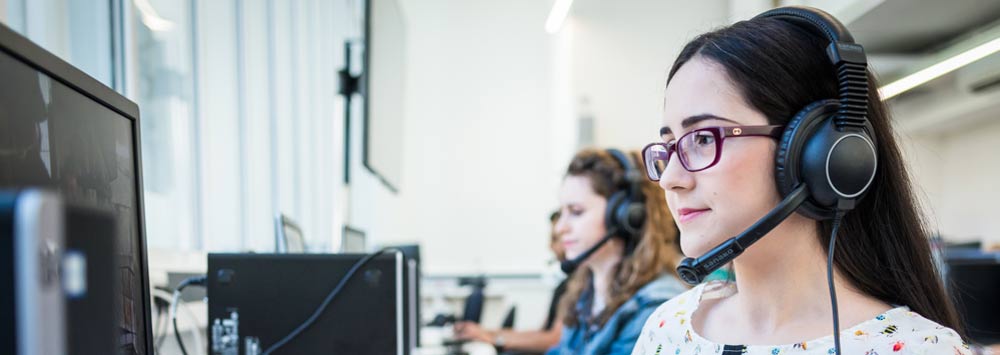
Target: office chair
508 321
474 303
288 236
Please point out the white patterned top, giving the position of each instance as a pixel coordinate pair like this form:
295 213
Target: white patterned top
897 331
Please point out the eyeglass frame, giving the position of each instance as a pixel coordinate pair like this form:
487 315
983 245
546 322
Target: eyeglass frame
719 133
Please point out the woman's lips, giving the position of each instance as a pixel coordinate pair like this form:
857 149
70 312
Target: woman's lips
688 214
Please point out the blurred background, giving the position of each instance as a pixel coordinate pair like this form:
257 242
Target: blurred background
470 113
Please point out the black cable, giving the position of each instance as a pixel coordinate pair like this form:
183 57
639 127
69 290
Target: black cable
829 279
326 302
161 328
194 280
177 334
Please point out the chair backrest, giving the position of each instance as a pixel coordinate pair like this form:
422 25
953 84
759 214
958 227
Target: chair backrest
288 236
474 304
508 321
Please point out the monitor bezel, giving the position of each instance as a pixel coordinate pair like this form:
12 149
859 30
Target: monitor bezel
29 53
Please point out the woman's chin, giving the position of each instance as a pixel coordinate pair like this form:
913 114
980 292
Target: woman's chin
697 247
572 255
688 252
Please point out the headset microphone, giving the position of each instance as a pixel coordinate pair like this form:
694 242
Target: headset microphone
570 265
694 271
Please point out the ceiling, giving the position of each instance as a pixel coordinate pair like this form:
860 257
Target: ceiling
920 26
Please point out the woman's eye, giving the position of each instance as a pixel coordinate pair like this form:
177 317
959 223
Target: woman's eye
702 138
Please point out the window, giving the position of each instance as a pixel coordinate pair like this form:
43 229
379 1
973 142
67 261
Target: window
237 100
79 32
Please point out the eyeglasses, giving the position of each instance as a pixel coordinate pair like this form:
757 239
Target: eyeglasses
699 149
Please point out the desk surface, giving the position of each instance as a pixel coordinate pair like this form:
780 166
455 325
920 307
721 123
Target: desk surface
474 348
432 338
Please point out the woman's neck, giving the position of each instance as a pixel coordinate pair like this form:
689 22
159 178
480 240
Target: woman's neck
783 279
603 269
780 288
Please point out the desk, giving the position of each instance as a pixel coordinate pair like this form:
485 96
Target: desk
432 338
474 348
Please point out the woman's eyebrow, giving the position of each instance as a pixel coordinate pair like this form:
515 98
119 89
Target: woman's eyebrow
693 120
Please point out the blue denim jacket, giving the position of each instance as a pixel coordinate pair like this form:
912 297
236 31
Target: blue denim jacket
619 334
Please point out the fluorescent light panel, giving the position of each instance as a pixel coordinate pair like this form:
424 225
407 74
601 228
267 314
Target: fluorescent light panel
150 18
558 15
944 67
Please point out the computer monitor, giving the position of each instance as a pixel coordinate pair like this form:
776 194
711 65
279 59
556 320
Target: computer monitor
384 97
353 241
288 236
973 279
63 130
255 300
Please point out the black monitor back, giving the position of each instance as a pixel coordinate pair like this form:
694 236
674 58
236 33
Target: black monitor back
974 285
272 294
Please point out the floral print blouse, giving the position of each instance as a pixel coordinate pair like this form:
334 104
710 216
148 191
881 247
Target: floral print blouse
897 331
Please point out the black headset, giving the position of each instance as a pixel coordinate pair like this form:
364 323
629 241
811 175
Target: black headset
829 145
626 211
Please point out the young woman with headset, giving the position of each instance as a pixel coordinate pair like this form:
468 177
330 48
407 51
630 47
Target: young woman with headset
774 135
621 248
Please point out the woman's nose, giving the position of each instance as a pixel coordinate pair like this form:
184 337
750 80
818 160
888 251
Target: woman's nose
675 177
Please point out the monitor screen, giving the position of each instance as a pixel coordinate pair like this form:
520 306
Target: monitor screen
56 136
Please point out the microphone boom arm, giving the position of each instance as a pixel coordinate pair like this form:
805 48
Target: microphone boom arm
694 271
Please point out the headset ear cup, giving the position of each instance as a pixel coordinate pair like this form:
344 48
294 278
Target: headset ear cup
611 220
632 218
624 216
788 163
626 211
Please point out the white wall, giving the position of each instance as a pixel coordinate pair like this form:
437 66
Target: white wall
957 172
476 140
622 52
475 187
969 190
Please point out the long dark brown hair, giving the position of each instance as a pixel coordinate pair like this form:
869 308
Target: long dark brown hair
883 246
655 254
